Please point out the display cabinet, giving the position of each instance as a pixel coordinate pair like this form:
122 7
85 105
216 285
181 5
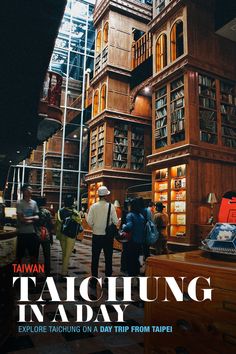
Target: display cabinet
92 193
170 189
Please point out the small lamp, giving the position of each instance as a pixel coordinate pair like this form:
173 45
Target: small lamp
211 199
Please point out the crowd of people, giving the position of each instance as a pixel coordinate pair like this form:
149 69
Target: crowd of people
36 228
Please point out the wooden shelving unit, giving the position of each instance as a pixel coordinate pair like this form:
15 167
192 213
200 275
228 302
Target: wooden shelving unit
207 109
177 110
170 189
161 185
228 114
137 149
97 147
161 117
178 201
120 146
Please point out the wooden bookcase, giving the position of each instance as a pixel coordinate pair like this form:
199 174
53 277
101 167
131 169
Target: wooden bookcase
137 148
177 110
161 117
170 113
97 147
128 147
120 146
207 109
228 114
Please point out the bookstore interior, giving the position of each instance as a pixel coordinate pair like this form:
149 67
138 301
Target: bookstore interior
138 96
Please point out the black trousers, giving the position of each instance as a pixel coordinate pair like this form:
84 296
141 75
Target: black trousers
46 246
134 250
99 243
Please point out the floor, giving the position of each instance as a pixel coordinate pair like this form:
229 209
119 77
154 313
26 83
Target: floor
81 343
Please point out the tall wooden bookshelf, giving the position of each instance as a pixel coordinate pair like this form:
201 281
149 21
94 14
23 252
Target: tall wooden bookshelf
161 117
228 114
207 109
120 146
97 147
137 148
177 110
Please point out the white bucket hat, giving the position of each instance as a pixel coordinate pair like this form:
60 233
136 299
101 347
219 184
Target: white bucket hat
102 191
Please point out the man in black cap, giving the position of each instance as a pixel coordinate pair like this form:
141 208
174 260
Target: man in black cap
161 220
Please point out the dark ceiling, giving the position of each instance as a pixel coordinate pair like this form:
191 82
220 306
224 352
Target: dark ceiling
28 31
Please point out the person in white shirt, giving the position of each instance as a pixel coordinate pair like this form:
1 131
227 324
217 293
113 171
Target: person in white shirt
97 219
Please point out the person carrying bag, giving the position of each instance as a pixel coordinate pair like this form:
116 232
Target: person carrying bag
103 220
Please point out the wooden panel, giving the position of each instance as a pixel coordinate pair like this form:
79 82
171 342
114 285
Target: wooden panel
213 322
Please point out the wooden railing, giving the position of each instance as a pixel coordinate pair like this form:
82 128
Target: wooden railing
141 50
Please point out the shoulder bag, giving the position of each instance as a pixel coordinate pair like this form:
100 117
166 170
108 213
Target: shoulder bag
111 230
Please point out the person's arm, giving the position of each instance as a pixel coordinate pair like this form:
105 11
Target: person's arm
129 223
90 218
114 217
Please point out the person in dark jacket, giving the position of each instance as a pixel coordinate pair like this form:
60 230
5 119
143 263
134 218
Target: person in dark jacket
146 212
135 223
124 258
44 231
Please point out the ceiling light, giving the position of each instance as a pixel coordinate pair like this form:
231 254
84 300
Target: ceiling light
75 136
18 152
146 89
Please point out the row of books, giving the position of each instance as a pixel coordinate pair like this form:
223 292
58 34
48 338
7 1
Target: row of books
161 92
178 114
161 122
177 126
208 138
177 94
206 81
122 141
229 131
161 113
229 142
228 109
207 102
176 84
139 159
206 91
177 104
161 102
162 132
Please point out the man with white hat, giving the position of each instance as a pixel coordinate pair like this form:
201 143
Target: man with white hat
97 219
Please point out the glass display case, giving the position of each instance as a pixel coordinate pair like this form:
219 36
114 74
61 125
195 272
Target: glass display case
221 240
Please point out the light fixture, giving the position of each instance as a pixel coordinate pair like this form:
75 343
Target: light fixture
85 129
146 89
75 136
211 199
18 152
